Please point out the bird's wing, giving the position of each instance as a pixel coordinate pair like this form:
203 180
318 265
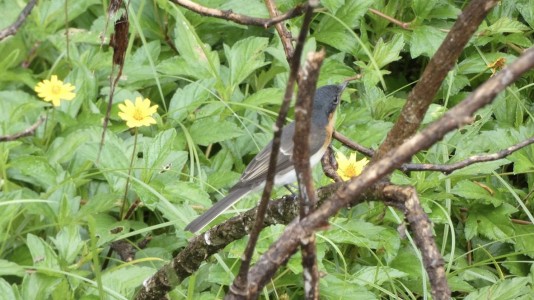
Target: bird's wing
257 168
256 171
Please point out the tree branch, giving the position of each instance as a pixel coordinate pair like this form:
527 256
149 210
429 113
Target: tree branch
424 91
13 28
239 288
238 18
406 198
28 131
460 115
303 107
283 33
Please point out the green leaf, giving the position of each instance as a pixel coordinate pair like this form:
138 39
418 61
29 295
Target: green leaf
10 268
68 243
43 255
481 168
331 31
526 9
505 25
33 169
155 152
425 41
524 239
247 7
472 191
194 54
210 130
187 192
187 99
265 96
376 275
491 222
335 288
245 57
124 280
367 235
422 8
6 291
511 289
388 52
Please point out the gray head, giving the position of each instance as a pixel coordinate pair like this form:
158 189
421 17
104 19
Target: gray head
326 100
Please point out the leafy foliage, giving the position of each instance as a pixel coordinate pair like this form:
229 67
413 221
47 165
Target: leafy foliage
218 86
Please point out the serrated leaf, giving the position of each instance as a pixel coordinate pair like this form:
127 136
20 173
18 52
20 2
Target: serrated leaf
349 14
503 290
34 170
332 31
376 275
196 55
387 52
364 234
334 288
42 253
524 239
491 222
125 280
187 192
472 191
209 130
422 8
425 41
6 291
505 25
185 100
481 168
68 243
10 268
244 57
265 96
526 9
247 7
155 153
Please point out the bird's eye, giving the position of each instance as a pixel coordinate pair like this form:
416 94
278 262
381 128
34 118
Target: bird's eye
336 100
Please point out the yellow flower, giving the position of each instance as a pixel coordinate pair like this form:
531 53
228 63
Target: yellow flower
139 114
497 65
54 90
350 167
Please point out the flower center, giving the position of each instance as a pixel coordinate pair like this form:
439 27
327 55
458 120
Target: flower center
56 89
138 114
351 170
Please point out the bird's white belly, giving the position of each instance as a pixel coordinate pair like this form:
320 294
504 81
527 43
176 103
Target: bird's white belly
291 176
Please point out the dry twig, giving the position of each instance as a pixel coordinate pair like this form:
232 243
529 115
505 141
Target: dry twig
13 28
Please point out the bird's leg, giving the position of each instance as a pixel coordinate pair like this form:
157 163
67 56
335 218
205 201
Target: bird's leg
288 187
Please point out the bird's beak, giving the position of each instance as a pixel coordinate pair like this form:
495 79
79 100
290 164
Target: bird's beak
342 86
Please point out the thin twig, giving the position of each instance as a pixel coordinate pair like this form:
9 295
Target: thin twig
423 93
445 168
239 288
406 197
238 18
391 19
280 251
301 159
13 28
449 168
283 33
353 145
330 166
26 132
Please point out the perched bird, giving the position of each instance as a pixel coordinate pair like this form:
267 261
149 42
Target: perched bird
322 126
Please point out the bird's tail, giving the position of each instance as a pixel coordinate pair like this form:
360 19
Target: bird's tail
216 209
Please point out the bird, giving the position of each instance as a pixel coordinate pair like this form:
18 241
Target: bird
325 102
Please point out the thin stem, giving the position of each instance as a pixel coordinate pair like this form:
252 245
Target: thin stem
128 178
